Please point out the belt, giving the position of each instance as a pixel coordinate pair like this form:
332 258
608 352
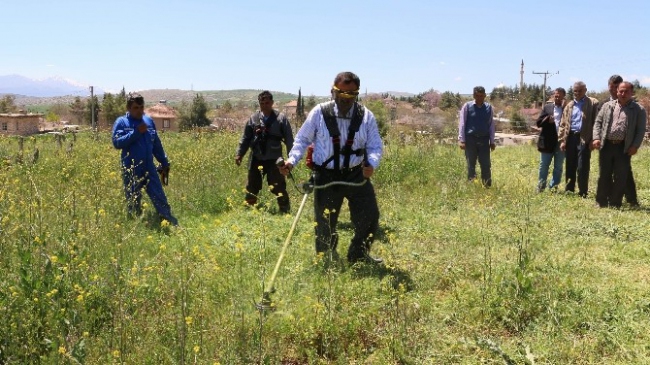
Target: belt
572 133
343 170
615 141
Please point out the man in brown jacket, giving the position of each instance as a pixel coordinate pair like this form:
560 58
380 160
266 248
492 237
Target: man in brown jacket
575 137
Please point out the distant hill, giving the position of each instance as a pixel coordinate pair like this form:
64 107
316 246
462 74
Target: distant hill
40 94
212 97
172 96
50 87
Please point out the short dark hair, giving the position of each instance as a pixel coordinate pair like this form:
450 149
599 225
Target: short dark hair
479 89
265 95
615 79
346 78
134 98
561 90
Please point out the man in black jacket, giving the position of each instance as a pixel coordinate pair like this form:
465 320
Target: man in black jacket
264 133
547 144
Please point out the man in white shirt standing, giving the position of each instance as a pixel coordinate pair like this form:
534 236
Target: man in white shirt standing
347 149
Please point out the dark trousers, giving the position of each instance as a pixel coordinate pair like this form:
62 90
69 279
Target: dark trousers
149 180
362 203
614 169
274 178
630 189
578 159
478 148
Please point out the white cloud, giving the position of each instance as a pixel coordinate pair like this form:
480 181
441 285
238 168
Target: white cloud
49 65
442 63
458 78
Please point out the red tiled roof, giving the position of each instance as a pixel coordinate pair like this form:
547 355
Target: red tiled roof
161 111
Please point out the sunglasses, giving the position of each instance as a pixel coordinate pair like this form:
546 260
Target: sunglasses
346 94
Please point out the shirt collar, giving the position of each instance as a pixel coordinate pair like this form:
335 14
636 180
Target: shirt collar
624 106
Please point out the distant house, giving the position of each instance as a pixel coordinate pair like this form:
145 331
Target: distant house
165 117
290 108
19 123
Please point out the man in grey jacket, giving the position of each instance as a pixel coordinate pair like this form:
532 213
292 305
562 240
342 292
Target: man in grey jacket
263 135
618 133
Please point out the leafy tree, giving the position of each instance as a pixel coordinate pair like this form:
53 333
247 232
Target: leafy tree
416 101
226 106
379 109
449 100
112 107
62 110
569 92
52 117
311 102
194 115
120 101
78 110
637 86
89 107
300 111
8 104
529 94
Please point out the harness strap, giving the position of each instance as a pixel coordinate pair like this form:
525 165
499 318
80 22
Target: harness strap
332 127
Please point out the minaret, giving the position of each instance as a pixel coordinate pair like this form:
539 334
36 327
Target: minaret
521 77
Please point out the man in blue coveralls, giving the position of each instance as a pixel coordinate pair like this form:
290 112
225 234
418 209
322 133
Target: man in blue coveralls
135 134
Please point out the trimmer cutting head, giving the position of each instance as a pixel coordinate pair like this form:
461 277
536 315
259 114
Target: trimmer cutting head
266 304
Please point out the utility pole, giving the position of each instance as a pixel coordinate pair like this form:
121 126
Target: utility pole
521 77
92 109
546 75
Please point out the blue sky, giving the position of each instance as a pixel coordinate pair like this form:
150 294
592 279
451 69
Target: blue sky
282 45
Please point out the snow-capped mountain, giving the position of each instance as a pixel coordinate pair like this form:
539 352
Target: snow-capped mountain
52 86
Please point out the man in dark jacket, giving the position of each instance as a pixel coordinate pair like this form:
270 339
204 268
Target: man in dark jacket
547 144
264 133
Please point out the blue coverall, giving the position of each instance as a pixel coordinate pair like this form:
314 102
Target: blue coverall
138 168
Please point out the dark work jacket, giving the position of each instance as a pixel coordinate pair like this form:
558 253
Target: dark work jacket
277 132
548 137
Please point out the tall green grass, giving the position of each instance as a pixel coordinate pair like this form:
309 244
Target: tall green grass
473 275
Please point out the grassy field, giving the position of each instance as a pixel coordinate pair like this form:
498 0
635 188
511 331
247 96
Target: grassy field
473 275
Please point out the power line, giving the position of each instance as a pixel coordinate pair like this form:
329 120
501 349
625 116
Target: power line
546 75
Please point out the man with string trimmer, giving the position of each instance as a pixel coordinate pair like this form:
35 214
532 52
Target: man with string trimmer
347 148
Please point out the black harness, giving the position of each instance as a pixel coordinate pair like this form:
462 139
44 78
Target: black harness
332 127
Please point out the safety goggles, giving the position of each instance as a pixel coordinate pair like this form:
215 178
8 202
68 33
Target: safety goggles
352 94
